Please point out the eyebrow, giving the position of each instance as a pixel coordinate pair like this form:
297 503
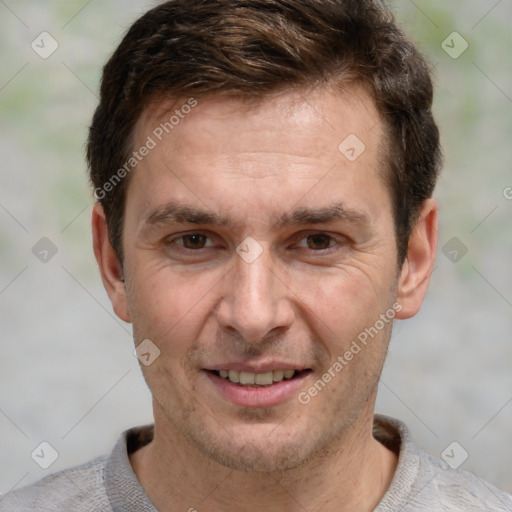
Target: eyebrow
174 212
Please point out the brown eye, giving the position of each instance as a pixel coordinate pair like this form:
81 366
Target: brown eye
194 241
319 241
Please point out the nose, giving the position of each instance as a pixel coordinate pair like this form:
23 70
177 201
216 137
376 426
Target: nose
256 302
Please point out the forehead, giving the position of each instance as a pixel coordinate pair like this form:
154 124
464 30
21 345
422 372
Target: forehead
292 113
283 144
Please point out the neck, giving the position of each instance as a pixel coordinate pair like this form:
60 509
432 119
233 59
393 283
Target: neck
353 473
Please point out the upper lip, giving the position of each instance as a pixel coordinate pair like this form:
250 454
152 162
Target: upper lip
257 367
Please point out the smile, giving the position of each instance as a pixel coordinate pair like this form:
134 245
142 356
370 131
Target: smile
256 379
262 389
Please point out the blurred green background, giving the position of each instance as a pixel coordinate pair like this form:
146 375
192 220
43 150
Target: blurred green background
67 372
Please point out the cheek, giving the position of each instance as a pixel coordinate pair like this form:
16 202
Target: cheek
165 305
344 302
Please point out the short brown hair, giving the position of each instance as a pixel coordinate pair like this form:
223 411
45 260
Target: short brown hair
251 48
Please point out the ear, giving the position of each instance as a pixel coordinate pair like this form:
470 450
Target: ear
109 264
419 263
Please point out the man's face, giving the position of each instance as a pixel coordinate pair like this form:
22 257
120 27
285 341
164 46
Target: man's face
319 268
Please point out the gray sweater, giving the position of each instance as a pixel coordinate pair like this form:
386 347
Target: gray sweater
108 484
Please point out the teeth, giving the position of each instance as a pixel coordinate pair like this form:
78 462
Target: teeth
263 378
233 376
259 379
277 375
247 378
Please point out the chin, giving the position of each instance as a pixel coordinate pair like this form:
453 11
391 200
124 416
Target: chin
270 449
250 458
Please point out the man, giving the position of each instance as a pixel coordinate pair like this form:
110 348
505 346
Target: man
264 172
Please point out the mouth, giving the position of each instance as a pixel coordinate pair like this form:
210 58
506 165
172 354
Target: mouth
257 389
258 380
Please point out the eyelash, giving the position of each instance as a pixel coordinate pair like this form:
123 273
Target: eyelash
337 241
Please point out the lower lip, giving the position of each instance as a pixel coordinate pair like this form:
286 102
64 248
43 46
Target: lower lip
247 396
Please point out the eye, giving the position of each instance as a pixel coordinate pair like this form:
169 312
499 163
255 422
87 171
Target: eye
191 241
317 241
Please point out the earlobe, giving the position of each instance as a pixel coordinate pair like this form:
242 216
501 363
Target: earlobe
419 264
109 264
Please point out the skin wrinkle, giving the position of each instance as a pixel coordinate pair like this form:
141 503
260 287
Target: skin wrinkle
290 304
